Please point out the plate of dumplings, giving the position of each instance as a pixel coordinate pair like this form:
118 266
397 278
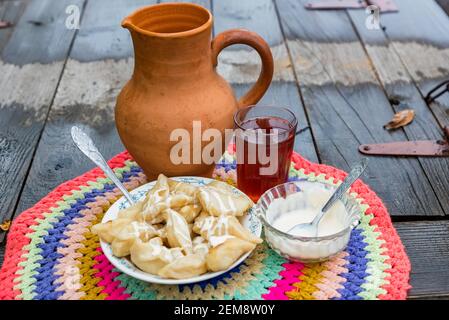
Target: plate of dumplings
181 230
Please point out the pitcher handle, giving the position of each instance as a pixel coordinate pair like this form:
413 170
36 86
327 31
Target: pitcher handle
252 39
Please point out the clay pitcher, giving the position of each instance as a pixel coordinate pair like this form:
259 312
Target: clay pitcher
175 83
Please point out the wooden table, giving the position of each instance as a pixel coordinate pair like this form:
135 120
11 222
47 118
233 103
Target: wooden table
341 80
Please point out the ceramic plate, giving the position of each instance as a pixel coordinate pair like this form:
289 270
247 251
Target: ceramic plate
126 266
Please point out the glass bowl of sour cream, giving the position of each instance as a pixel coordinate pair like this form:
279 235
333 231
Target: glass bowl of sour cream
292 203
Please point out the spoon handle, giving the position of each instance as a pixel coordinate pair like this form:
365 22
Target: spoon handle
355 173
87 146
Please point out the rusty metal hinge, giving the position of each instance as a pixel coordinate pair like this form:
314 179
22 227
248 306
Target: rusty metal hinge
383 5
425 148
437 92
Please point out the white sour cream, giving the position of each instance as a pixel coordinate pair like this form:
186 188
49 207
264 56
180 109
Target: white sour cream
302 207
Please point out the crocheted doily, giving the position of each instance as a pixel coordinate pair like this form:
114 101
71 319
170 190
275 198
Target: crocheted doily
52 254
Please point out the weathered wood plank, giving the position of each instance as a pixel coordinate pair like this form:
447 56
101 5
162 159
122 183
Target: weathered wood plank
10 11
347 106
30 64
99 64
420 37
427 245
401 89
240 65
444 4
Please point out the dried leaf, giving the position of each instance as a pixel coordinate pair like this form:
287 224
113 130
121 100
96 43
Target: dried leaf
401 119
5 225
5 24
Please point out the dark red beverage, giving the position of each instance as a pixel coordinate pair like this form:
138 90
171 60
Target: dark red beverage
266 143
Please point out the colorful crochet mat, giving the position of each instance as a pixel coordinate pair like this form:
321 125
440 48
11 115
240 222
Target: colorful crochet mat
52 254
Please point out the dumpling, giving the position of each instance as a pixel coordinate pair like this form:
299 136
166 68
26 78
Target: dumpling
222 202
236 229
134 212
160 218
152 256
121 234
198 221
212 226
221 185
102 230
205 225
203 215
121 248
163 233
179 200
190 212
159 226
224 225
157 213
142 256
214 230
200 246
157 198
182 187
192 234
185 267
223 256
108 231
178 233
176 253
135 230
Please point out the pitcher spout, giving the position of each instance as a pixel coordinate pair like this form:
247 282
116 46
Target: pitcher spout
127 24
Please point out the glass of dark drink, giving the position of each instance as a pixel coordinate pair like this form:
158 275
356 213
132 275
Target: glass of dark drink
264 138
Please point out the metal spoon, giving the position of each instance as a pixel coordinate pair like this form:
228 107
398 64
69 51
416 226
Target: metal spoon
87 146
311 228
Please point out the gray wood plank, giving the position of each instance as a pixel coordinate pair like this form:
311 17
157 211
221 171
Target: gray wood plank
427 245
444 4
99 64
240 65
400 88
30 64
420 37
101 35
41 35
10 11
347 106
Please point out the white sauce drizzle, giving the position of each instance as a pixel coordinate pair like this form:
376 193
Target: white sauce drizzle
215 230
210 195
217 240
139 228
180 229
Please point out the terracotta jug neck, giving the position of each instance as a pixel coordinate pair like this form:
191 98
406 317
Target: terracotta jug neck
171 40
165 58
